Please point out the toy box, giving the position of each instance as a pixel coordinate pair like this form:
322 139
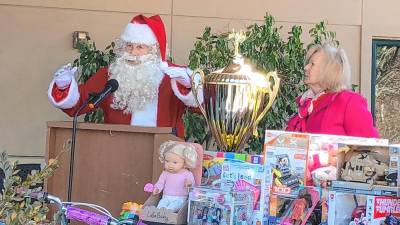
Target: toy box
299 209
215 206
364 169
286 158
248 176
346 208
383 210
393 176
212 165
322 156
151 214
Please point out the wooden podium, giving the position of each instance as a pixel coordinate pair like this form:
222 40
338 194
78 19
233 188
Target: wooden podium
112 162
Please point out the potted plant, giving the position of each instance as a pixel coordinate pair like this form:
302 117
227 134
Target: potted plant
16 208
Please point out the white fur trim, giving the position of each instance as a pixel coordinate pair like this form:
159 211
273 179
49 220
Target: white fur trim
147 117
139 33
189 98
71 99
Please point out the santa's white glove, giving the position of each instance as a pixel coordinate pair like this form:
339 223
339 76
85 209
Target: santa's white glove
63 76
180 74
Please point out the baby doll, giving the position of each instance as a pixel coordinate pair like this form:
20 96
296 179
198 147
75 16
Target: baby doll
173 182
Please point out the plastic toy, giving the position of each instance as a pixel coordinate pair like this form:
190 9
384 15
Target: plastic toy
300 209
323 175
364 168
283 174
391 178
391 220
178 158
149 187
358 214
130 210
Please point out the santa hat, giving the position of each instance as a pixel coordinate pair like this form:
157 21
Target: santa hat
146 30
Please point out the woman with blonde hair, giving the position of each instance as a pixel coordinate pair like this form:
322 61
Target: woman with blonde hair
329 106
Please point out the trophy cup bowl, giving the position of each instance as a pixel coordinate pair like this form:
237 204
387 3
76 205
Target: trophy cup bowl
235 100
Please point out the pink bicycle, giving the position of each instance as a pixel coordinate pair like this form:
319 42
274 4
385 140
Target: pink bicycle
70 211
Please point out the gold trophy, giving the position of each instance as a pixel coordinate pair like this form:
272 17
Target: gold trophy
236 98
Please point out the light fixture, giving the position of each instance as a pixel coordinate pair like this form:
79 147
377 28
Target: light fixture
79 36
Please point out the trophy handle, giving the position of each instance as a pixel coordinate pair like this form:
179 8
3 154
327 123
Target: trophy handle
272 94
196 87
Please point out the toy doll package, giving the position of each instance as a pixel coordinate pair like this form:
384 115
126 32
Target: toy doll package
291 210
217 207
246 176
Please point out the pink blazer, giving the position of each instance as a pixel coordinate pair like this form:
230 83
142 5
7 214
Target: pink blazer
338 113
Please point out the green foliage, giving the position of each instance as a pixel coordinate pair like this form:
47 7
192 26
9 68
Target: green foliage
15 207
268 51
320 34
90 60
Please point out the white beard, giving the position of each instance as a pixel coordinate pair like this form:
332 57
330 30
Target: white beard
138 84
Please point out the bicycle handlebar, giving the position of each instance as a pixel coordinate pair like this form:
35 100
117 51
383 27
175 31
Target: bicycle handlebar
82 215
77 214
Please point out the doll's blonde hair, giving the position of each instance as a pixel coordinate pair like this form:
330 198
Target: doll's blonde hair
185 150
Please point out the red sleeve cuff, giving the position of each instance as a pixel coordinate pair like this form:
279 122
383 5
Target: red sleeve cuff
182 89
58 94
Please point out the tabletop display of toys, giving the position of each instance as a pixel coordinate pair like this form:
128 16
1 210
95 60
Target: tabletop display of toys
300 179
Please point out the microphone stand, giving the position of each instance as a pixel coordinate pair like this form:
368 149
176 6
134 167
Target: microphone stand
72 153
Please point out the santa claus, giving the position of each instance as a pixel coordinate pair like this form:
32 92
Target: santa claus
151 91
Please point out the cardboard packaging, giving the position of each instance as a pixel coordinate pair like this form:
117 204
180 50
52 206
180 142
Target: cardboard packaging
214 206
251 177
151 213
346 208
286 159
364 169
382 209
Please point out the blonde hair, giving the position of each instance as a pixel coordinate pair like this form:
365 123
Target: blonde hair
185 150
336 72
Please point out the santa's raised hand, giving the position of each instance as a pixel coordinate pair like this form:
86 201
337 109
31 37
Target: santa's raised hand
63 76
179 74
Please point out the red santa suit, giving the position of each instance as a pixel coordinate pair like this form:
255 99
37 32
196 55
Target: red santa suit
166 111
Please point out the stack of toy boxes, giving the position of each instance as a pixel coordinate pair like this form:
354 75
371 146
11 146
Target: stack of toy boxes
297 160
350 208
386 209
322 161
363 176
285 161
233 171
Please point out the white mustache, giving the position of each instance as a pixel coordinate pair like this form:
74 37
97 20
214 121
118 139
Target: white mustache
149 58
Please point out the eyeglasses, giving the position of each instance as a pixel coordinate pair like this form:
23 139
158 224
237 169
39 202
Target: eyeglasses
132 46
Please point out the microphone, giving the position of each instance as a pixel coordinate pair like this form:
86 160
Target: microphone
111 86
91 102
